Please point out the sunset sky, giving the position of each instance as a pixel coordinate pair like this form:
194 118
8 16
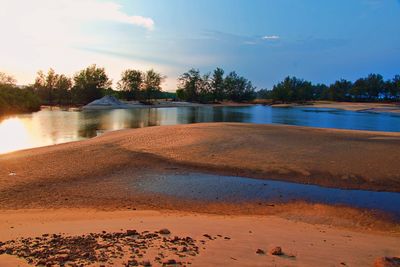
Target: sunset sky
264 40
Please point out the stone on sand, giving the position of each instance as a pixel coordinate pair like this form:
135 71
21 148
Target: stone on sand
387 262
276 251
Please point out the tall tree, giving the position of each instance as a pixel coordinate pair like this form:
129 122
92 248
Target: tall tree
396 87
152 81
63 90
340 90
131 83
189 84
89 84
238 88
7 79
293 89
53 88
218 84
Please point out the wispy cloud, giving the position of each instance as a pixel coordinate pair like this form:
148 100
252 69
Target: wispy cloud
48 33
271 37
69 12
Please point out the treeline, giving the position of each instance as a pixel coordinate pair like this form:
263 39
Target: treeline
369 89
93 83
214 87
14 99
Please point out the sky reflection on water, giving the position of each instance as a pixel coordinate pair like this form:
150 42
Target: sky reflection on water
48 127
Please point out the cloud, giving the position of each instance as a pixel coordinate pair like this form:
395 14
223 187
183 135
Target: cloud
271 37
41 34
108 11
69 12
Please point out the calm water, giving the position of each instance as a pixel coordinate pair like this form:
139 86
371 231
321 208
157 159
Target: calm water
49 127
216 188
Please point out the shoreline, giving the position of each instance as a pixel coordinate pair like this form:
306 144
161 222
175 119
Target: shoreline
374 107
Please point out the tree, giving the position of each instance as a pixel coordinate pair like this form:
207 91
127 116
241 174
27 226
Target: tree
197 88
206 92
63 90
53 88
392 89
17 100
320 91
151 87
264 94
131 83
90 84
7 79
293 89
217 84
340 90
238 88
189 84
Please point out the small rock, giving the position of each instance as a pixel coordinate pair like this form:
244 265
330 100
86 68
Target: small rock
387 262
164 231
260 251
208 236
131 232
146 263
170 262
276 251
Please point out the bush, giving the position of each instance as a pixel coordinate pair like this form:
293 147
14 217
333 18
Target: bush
16 100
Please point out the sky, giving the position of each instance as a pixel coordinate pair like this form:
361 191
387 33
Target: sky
263 40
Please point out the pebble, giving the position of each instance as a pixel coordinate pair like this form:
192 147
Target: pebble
276 251
260 251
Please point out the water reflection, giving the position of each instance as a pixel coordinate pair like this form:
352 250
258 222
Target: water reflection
54 126
216 188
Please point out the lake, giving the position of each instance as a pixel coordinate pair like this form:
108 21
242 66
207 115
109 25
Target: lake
55 126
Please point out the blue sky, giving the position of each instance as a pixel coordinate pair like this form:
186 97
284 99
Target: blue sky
264 40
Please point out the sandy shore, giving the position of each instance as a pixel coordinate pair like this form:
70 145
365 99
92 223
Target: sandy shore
338 158
235 238
365 107
83 187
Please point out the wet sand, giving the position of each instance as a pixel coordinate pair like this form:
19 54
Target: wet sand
83 187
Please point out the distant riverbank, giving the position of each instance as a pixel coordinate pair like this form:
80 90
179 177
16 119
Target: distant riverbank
350 106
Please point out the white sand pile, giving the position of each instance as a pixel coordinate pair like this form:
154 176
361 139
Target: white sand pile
105 103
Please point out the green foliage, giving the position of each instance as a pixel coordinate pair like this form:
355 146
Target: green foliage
293 89
142 86
89 85
151 87
205 89
264 94
340 90
190 85
53 88
238 88
16 100
371 88
217 84
167 95
131 83
181 94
